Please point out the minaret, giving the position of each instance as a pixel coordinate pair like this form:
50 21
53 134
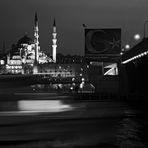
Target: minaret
36 38
8 58
54 42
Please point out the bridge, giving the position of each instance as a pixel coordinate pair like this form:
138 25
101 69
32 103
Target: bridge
138 51
135 62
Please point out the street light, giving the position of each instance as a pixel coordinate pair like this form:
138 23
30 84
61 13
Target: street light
127 46
136 38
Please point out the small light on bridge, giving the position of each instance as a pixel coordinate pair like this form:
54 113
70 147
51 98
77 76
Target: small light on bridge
135 57
137 37
121 53
127 46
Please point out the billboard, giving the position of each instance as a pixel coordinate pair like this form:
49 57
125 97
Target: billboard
102 42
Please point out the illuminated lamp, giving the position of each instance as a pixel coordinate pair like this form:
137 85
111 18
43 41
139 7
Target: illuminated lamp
127 46
87 66
137 37
71 88
83 79
80 74
142 54
145 53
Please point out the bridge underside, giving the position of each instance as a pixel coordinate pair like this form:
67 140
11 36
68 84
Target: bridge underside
137 76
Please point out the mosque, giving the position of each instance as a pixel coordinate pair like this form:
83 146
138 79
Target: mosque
26 56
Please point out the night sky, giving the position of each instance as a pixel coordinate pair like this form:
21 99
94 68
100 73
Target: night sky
17 18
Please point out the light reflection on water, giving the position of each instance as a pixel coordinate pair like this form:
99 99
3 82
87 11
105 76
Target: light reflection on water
124 136
43 105
128 134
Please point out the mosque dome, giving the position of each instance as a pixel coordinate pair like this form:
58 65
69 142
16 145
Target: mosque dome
25 40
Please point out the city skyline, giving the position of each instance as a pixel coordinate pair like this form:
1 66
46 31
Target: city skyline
17 18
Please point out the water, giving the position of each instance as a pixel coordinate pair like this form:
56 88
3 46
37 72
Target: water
95 124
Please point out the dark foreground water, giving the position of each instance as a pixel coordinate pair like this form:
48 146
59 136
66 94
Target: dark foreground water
94 124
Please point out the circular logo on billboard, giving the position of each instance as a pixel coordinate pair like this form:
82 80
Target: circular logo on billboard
101 41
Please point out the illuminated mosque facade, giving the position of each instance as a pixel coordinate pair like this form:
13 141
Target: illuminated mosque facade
26 57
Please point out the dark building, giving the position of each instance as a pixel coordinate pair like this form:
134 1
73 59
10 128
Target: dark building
102 53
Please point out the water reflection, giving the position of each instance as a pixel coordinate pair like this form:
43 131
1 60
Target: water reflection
128 135
43 106
93 134
114 125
